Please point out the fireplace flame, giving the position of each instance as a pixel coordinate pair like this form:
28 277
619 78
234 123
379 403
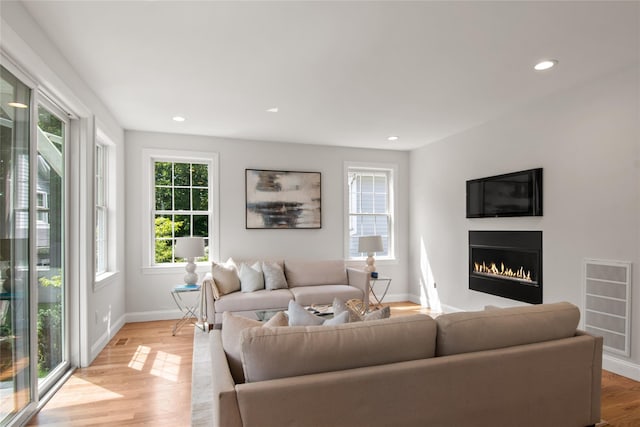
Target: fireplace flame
493 269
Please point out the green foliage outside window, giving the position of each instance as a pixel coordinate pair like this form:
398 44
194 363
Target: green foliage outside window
181 205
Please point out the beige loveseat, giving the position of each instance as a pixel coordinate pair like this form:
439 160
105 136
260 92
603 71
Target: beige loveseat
307 282
526 366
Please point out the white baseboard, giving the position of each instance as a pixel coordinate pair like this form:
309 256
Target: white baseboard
450 309
395 298
104 339
149 316
621 367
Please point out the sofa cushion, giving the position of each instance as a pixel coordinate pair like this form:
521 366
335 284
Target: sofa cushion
258 300
231 329
273 276
251 277
315 349
313 273
308 295
466 332
225 277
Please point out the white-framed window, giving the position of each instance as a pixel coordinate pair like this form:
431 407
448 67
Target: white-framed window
369 206
183 189
42 203
102 207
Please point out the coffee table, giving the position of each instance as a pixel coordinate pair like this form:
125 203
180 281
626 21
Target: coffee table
323 310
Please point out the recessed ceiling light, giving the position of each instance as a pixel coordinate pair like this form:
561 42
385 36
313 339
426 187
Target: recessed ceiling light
179 119
392 138
272 110
545 65
17 105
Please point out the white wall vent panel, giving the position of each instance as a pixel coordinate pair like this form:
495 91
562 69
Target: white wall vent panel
607 303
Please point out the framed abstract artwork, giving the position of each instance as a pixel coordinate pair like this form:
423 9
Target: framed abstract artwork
282 199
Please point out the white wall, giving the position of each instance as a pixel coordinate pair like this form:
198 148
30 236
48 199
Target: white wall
148 295
100 312
587 141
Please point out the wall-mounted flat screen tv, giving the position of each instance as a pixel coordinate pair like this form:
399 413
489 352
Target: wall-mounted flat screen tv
511 194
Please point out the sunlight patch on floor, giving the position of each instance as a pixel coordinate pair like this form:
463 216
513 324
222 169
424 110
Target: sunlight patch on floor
90 393
139 358
166 365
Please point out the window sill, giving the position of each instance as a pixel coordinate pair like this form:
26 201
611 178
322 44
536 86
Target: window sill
201 267
105 279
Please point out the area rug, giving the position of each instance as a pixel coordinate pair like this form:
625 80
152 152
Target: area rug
201 383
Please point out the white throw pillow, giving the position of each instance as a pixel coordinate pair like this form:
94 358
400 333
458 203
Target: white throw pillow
299 316
226 277
273 276
338 319
251 277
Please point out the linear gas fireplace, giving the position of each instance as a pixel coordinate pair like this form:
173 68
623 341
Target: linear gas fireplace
507 264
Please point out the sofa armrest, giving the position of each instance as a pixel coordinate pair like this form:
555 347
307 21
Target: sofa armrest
225 401
596 374
360 280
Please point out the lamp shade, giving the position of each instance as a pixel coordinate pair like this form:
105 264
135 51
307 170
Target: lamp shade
370 244
189 247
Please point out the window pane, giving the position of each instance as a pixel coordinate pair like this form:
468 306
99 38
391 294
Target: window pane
163 199
50 244
163 173
380 204
366 203
182 226
206 251
15 265
366 183
201 225
163 240
200 175
380 184
182 199
200 199
181 174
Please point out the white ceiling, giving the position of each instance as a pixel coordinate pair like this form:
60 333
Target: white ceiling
341 73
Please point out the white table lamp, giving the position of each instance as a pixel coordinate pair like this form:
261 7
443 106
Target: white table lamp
190 248
370 245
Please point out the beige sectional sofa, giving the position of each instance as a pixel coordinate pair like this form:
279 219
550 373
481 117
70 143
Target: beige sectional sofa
525 366
307 282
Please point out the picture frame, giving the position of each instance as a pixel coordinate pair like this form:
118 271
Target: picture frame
276 199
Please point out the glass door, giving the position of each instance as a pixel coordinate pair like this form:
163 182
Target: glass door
15 379
50 245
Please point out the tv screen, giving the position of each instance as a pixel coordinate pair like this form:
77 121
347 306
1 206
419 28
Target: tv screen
512 194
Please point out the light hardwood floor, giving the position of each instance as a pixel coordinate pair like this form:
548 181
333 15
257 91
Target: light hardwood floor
143 377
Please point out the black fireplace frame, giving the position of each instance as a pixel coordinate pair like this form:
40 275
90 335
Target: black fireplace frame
521 241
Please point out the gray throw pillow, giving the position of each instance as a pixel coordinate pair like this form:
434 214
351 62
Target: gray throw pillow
273 276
